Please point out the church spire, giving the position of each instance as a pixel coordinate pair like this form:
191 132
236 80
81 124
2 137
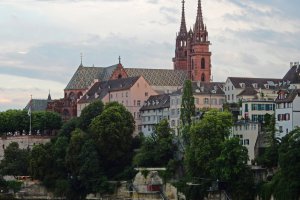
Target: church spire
199 25
183 24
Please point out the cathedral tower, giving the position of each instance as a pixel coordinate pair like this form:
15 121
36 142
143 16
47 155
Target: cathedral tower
180 59
196 55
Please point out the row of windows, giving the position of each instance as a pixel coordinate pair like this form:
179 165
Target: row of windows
175 111
258 118
246 127
208 101
284 105
148 111
283 117
228 88
122 95
242 141
173 123
232 97
153 118
175 101
266 107
281 130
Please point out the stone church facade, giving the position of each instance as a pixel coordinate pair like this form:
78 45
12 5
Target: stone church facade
192 48
192 61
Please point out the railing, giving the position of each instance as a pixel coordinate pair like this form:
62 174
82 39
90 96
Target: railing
162 195
226 195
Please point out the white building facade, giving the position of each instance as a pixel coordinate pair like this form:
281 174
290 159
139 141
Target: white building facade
248 133
255 110
155 109
252 87
287 111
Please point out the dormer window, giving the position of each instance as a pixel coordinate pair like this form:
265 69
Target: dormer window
242 85
255 85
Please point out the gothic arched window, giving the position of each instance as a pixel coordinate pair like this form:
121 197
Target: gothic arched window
202 63
202 77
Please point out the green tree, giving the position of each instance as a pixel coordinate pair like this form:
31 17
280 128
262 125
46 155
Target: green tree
68 127
37 162
89 113
113 131
269 157
187 104
231 167
287 180
73 162
159 149
207 137
15 161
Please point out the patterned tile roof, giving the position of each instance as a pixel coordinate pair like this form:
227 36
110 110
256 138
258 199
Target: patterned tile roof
85 76
159 77
101 89
157 102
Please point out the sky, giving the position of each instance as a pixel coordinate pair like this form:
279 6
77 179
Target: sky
41 40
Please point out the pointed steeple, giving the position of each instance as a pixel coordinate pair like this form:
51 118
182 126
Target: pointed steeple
49 96
81 55
199 25
183 30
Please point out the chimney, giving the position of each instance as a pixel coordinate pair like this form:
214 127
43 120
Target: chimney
291 64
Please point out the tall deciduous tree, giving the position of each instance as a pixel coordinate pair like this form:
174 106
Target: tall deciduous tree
232 169
207 137
187 104
286 182
89 113
113 131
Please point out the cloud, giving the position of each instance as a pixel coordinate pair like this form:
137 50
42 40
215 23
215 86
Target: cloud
41 45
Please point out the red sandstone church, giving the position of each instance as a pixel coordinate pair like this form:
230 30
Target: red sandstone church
192 61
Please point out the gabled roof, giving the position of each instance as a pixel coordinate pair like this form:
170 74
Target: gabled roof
159 77
100 89
212 88
157 102
293 75
249 91
37 104
261 82
290 96
84 76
